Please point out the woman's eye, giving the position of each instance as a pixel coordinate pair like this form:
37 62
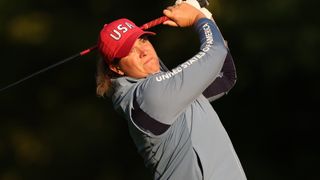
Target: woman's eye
132 50
143 40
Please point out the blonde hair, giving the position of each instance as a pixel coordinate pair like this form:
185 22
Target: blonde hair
103 79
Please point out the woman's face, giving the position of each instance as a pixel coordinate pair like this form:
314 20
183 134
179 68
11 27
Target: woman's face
141 61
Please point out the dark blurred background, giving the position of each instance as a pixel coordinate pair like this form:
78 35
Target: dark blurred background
53 126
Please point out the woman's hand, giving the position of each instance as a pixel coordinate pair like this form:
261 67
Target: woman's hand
182 15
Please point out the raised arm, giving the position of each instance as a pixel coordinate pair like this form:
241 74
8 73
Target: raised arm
163 96
224 82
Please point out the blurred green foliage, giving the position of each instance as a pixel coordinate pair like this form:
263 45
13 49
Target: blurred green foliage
54 127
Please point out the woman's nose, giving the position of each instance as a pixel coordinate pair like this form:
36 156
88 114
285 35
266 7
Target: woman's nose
143 51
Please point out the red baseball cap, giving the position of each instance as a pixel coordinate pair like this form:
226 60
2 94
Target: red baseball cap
117 38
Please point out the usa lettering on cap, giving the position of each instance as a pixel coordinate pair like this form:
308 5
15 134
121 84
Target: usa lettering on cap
121 30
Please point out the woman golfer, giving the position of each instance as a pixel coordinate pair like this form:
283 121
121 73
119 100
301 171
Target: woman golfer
169 115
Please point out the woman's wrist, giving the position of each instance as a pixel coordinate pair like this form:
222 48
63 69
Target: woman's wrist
198 17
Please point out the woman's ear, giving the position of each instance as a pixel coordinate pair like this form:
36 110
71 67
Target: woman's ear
116 69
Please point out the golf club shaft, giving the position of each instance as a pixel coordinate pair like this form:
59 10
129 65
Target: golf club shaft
82 53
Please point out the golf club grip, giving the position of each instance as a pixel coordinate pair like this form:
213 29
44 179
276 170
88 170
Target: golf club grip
155 22
86 51
148 25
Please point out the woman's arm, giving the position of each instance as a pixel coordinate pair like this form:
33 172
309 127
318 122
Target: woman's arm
224 82
165 95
